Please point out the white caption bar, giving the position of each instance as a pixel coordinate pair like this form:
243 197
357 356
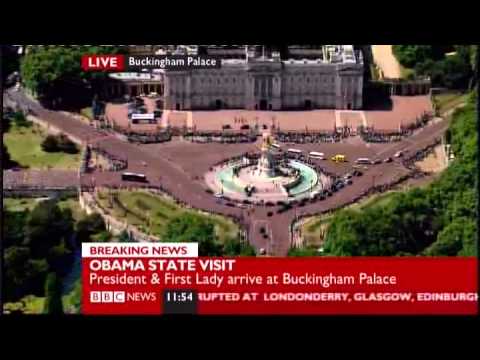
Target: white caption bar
160 250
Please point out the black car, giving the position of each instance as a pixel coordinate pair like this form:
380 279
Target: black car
339 185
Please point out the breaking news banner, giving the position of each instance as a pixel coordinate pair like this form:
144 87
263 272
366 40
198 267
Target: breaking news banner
163 279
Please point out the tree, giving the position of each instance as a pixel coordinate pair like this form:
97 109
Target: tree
124 237
233 247
50 144
58 143
20 120
46 226
89 226
303 252
13 227
54 73
10 61
439 220
455 71
339 241
53 291
452 238
23 275
15 258
6 159
194 228
410 55
59 258
66 145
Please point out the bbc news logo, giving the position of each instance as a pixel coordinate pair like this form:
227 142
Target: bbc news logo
107 297
110 63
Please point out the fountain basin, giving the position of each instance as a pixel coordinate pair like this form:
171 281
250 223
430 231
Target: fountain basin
232 181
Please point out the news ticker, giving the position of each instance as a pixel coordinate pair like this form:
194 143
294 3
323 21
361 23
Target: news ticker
121 63
156 279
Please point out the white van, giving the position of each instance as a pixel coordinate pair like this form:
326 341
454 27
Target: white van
295 151
364 161
317 155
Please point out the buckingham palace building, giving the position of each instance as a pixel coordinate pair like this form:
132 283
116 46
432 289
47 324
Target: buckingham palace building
253 78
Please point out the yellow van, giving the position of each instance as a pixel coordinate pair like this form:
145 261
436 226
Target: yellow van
339 158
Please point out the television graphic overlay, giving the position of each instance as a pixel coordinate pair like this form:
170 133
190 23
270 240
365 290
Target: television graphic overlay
240 179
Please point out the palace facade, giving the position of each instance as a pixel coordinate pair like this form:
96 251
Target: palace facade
329 77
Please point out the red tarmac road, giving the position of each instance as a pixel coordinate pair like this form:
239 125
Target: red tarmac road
179 167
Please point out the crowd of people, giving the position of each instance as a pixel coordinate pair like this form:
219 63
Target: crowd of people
149 138
378 137
308 137
410 161
85 160
371 135
115 163
221 137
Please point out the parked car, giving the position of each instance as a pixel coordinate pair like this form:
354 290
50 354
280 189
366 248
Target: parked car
388 160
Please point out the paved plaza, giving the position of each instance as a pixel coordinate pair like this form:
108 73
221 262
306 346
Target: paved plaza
404 112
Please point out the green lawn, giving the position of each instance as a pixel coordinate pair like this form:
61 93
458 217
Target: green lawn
29 305
22 204
72 301
448 101
87 112
19 205
74 205
142 206
32 305
24 146
407 73
375 200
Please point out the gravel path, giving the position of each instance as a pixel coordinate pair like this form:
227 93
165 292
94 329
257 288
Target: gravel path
386 61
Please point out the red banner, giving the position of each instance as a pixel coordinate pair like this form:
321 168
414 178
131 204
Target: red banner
254 286
103 63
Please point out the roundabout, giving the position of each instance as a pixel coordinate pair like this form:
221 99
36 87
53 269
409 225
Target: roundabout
269 177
